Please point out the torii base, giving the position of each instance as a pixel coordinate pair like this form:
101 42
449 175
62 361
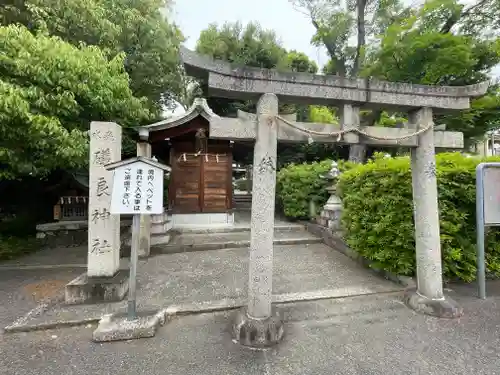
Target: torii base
440 308
258 333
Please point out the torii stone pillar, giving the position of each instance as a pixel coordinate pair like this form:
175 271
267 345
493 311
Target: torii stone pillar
259 324
429 297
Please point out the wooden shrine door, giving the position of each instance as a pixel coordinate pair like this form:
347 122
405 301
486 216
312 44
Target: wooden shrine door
201 183
216 184
184 188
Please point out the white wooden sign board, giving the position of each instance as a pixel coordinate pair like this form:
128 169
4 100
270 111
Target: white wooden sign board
137 189
491 196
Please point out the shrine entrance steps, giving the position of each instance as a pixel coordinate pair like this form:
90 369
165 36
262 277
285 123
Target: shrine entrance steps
187 240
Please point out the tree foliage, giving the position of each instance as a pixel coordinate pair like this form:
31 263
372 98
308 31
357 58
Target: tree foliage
137 28
337 24
243 45
253 46
300 62
248 45
438 43
49 92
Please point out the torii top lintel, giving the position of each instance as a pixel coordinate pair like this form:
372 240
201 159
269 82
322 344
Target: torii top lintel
230 81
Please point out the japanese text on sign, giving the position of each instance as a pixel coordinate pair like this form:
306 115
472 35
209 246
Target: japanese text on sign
150 190
137 189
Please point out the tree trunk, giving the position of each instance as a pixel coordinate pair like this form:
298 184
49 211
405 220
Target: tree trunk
357 153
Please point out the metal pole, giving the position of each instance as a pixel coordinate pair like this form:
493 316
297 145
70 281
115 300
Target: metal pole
481 275
136 227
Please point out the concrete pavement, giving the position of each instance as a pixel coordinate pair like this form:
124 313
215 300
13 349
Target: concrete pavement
220 277
362 335
22 290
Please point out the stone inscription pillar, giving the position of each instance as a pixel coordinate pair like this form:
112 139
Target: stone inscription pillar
144 149
104 228
429 296
259 324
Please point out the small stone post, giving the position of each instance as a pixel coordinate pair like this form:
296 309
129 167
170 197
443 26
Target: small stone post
259 324
429 296
144 149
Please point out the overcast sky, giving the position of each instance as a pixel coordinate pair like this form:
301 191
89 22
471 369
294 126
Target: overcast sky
292 27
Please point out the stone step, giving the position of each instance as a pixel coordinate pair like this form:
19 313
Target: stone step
243 199
282 227
187 242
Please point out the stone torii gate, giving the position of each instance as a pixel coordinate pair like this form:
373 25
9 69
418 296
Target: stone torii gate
259 324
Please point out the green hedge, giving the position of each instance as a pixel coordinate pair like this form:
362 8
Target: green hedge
241 184
298 184
378 215
14 247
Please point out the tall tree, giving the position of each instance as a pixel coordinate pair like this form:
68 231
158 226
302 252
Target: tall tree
440 44
337 24
248 45
49 92
138 28
300 62
253 46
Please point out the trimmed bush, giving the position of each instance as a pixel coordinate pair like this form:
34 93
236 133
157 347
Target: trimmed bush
241 184
378 215
14 247
299 184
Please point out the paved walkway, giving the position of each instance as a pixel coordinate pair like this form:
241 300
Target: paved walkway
23 290
368 331
207 278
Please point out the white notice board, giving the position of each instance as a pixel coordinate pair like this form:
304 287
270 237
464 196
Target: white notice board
137 189
491 182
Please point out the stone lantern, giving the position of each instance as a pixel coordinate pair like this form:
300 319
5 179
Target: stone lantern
330 215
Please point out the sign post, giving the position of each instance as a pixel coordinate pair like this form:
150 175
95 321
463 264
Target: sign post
487 213
134 249
137 189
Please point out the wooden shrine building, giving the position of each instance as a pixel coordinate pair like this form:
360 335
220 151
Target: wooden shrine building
200 186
